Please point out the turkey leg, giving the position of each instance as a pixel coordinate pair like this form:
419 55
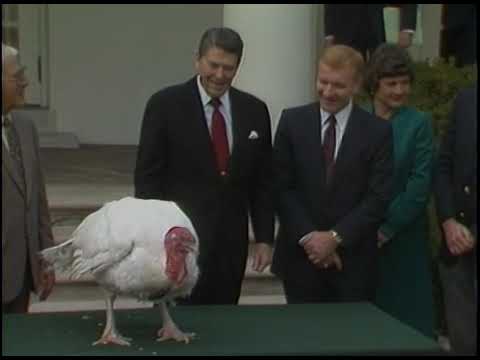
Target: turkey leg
110 334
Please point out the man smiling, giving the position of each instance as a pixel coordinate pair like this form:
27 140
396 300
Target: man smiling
207 146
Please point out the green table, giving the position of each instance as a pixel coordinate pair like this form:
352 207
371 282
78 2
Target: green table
313 329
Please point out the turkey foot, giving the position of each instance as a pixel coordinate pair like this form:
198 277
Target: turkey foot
112 337
110 334
170 331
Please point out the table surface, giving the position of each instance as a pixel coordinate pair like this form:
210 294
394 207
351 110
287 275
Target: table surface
308 329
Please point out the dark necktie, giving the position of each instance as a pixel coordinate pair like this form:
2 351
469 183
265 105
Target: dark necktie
219 137
329 144
14 147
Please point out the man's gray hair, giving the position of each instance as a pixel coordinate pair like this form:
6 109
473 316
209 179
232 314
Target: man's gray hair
8 52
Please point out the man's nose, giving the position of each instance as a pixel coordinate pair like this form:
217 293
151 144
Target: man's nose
219 73
328 90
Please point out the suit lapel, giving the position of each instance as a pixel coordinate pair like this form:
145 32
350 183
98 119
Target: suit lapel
26 143
239 125
199 127
313 137
347 147
12 168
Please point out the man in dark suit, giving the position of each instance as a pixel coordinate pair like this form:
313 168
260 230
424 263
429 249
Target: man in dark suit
456 201
25 216
459 34
207 146
362 26
333 165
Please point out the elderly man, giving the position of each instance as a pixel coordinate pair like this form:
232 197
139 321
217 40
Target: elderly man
207 146
25 217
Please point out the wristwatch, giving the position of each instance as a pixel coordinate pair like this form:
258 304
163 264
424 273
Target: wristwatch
336 237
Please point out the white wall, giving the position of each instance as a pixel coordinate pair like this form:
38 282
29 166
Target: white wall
107 60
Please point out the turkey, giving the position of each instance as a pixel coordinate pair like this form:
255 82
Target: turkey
146 249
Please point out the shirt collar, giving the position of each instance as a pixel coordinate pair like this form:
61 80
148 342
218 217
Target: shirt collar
6 118
341 116
225 98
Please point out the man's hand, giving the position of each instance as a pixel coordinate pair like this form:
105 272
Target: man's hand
458 237
47 280
333 259
381 239
320 245
405 39
262 256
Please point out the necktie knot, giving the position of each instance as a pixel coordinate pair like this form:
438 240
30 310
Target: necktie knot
332 121
216 103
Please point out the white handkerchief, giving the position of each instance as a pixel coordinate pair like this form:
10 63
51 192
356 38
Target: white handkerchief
253 135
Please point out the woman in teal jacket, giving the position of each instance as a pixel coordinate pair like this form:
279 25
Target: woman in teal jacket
405 285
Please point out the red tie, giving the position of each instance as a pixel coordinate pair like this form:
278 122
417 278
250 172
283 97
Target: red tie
329 144
219 137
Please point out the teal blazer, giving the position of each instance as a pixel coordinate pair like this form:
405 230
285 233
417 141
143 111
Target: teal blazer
405 283
413 166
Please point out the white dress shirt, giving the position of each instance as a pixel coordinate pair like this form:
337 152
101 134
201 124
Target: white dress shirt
225 109
342 118
4 134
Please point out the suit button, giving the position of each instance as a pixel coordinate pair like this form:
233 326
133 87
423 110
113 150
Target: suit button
462 214
466 189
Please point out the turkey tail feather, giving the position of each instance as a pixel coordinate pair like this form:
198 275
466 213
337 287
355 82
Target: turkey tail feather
60 256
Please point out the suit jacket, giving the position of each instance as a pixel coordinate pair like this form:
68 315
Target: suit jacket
460 15
460 22
456 172
176 162
362 26
354 202
25 215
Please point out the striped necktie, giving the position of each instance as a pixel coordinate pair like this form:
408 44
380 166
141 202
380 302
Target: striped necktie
329 144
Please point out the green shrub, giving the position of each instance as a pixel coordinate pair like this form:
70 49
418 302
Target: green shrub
435 88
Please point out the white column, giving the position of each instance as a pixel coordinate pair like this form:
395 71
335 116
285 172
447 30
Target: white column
278 63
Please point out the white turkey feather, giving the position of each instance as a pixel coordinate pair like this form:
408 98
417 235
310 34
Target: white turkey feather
123 245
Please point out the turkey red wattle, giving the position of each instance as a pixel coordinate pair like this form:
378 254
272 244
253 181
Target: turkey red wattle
179 243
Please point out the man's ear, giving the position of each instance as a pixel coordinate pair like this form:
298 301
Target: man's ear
196 61
358 85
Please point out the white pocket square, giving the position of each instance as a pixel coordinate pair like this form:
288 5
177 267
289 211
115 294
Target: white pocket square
253 135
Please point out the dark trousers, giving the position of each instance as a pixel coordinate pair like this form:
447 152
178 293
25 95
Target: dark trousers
20 304
460 298
220 280
329 286
214 288
461 43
